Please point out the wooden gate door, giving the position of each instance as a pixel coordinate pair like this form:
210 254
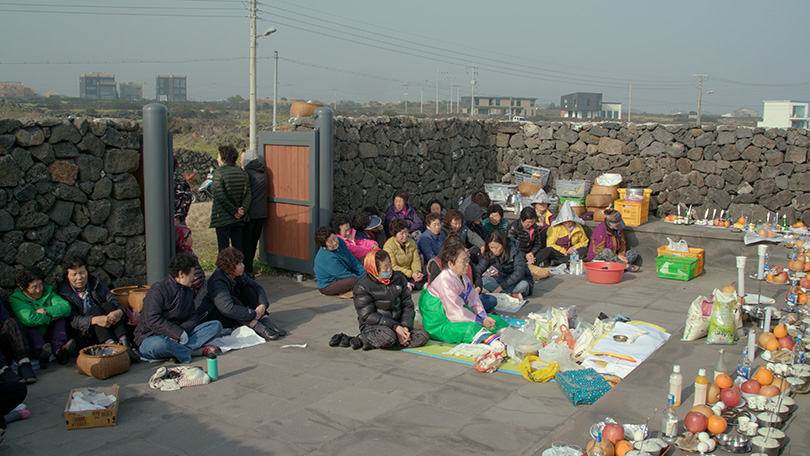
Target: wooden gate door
291 161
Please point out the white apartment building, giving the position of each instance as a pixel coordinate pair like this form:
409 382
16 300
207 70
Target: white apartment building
785 114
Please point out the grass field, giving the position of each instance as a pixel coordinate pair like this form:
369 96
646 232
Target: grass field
205 240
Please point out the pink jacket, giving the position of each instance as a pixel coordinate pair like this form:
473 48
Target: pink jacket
359 247
448 288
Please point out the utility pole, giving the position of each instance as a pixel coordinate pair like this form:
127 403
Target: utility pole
254 144
275 90
472 93
450 107
630 104
422 96
437 91
406 98
700 93
334 101
510 107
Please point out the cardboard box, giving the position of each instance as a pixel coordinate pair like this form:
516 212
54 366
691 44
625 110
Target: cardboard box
93 418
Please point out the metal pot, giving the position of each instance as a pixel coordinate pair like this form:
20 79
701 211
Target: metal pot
634 193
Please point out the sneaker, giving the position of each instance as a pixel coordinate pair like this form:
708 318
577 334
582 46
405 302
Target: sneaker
67 350
264 332
266 322
45 356
335 340
8 376
208 349
26 372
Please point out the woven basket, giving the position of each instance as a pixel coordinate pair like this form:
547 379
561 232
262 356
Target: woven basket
100 366
131 296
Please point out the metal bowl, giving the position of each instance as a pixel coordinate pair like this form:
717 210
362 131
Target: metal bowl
734 443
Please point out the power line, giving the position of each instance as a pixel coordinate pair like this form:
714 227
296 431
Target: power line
115 7
102 13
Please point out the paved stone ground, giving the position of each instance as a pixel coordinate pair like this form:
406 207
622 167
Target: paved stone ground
333 401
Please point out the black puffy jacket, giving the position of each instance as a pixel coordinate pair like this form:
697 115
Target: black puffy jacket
511 271
529 243
379 304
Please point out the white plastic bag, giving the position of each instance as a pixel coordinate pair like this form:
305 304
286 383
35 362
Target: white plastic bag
560 354
679 246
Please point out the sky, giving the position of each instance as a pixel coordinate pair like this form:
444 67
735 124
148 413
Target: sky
366 50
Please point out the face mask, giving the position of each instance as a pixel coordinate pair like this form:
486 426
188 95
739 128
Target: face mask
385 275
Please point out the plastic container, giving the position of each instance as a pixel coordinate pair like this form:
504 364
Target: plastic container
634 213
604 272
675 268
693 253
573 188
499 192
526 173
623 193
574 201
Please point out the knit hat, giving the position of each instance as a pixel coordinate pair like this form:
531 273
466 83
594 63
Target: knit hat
567 215
473 213
250 155
613 219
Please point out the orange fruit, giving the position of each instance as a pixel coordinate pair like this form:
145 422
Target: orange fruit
764 376
802 298
741 220
772 345
717 424
622 447
769 277
764 338
780 331
727 224
724 381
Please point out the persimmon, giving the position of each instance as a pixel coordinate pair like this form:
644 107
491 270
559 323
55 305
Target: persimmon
780 331
717 424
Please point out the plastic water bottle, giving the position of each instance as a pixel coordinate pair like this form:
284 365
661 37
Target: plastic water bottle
213 366
799 352
795 253
669 424
744 366
517 204
767 267
575 264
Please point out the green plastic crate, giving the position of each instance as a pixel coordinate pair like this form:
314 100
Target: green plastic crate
675 268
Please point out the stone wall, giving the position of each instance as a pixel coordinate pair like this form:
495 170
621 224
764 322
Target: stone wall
70 186
739 169
189 161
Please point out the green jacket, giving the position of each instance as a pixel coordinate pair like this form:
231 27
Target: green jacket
231 189
26 308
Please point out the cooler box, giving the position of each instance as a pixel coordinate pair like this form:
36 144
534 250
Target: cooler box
693 253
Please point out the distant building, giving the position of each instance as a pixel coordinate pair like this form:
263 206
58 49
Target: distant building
611 110
785 113
15 90
170 88
501 106
130 91
98 86
742 112
581 105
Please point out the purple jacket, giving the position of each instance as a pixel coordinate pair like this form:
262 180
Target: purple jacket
168 310
602 240
414 222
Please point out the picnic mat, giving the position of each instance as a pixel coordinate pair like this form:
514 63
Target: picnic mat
436 349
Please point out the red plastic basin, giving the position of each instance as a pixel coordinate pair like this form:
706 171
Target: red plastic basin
604 272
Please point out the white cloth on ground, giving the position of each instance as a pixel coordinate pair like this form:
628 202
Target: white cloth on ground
241 337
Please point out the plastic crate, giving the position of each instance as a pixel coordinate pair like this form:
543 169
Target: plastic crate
623 193
633 213
526 173
573 188
499 192
576 201
675 268
699 254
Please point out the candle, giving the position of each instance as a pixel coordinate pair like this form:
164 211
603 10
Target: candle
679 209
714 213
706 216
767 327
752 337
768 220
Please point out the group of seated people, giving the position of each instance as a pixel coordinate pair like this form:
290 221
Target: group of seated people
181 314
457 257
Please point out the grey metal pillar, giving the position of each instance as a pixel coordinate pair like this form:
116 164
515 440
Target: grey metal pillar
326 155
157 191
